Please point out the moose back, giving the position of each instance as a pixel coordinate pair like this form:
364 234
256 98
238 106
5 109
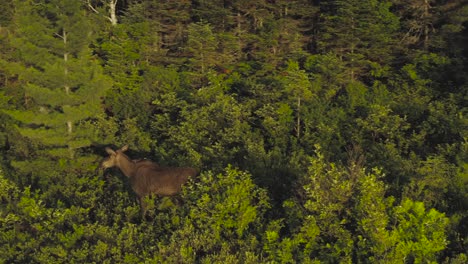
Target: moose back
147 177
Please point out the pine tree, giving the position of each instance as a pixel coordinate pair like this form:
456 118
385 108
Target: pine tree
63 84
169 20
202 45
359 32
418 19
299 89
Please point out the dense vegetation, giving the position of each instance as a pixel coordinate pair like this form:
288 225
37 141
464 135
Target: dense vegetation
325 131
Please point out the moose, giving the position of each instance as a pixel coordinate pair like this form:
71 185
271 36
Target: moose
147 177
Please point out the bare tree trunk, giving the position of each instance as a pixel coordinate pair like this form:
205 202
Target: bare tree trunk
67 85
113 12
65 60
352 48
239 32
426 15
298 125
69 127
65 72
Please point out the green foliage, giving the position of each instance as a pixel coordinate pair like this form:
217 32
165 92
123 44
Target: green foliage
217 124
202 45
63 85
32 232
359 32
221 218
345 122
421 234
348 218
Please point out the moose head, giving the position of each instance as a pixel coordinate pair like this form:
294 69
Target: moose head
118 159
147 177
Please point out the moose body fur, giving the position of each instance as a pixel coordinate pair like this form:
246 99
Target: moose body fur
147 177
164 181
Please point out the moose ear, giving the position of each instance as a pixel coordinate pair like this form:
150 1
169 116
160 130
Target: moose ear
110 151
124 148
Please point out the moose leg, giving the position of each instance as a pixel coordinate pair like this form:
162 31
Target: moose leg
142 205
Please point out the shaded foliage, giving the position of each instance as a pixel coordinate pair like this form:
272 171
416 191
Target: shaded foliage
325 131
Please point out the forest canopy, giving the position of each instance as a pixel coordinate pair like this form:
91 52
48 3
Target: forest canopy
324 131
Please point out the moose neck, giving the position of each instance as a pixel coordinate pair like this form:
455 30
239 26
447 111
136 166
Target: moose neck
126 165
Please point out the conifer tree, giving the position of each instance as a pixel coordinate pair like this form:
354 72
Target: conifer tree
359 32
298 88
202 45
169 20
63 84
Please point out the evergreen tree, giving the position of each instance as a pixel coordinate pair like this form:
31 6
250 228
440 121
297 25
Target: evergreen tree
418 22
202 46
299 89
377 84
63 84
125 55
215 12
168 20
361 33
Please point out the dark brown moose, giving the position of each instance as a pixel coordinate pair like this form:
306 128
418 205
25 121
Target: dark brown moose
147 177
